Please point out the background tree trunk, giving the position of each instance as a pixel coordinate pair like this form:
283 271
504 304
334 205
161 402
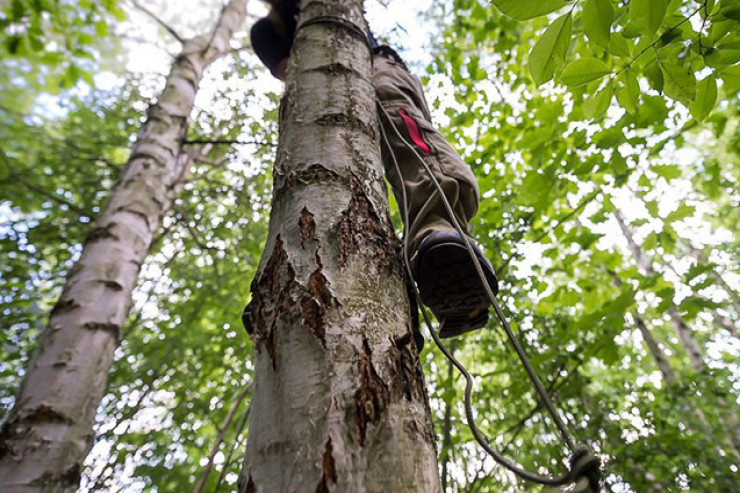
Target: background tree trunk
339 402
48 433
685 335
683 331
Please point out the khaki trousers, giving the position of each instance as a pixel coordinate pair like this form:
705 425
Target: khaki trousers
401 96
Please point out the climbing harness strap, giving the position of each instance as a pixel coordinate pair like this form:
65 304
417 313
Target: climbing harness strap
585 467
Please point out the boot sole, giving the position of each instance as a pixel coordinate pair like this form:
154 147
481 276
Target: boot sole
450 286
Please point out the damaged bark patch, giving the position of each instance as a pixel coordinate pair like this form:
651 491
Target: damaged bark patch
346 122
314 303
318 296
410 378
250 486
329 471
17 426
312 174
100 234
64 306
112 285
361 226
307 227
372 397
113 329
272 295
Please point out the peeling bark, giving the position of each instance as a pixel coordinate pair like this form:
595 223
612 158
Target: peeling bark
338 400
48 433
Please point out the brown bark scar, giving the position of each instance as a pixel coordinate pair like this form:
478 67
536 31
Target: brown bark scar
361 226
113 329
101 233
250 486
409 383
112 285
64 306
273 294
373 396
329 471
312 174
18 425
307 227
314 303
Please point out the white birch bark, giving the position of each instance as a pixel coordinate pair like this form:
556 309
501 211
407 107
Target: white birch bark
338 402
48 433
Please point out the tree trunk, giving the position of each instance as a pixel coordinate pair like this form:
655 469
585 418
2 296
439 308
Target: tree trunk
203 478
730 420
693 351
338 402
48 433
669 376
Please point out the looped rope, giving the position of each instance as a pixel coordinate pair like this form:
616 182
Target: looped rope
341 21
586 470
585 467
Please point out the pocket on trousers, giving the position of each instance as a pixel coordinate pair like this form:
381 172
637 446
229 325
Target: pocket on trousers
414 132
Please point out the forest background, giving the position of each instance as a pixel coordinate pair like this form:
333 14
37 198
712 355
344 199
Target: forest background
604 136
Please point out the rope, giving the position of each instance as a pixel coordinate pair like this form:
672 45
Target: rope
583 464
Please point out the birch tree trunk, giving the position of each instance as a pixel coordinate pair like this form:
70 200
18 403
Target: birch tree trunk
730 420
338 401
48 433
693 351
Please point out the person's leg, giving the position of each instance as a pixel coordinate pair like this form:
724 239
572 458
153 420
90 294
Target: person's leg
445 273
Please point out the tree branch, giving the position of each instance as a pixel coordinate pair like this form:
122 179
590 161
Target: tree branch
228 142
220 439
158 20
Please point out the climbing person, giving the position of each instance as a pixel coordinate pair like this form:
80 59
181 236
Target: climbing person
441 264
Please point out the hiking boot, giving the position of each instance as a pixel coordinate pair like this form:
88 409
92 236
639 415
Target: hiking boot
449 283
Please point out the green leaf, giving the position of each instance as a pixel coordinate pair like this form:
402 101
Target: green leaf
706 98
549 52
629 93
731 77
730 11
655 77
683 211
598 16
680 83
583 71
618 46
523 10
595 107
648 14
667 171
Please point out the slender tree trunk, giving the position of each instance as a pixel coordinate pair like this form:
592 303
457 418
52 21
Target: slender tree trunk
693 351
48 433
220 440
730 421
655 350
338 401
720 320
